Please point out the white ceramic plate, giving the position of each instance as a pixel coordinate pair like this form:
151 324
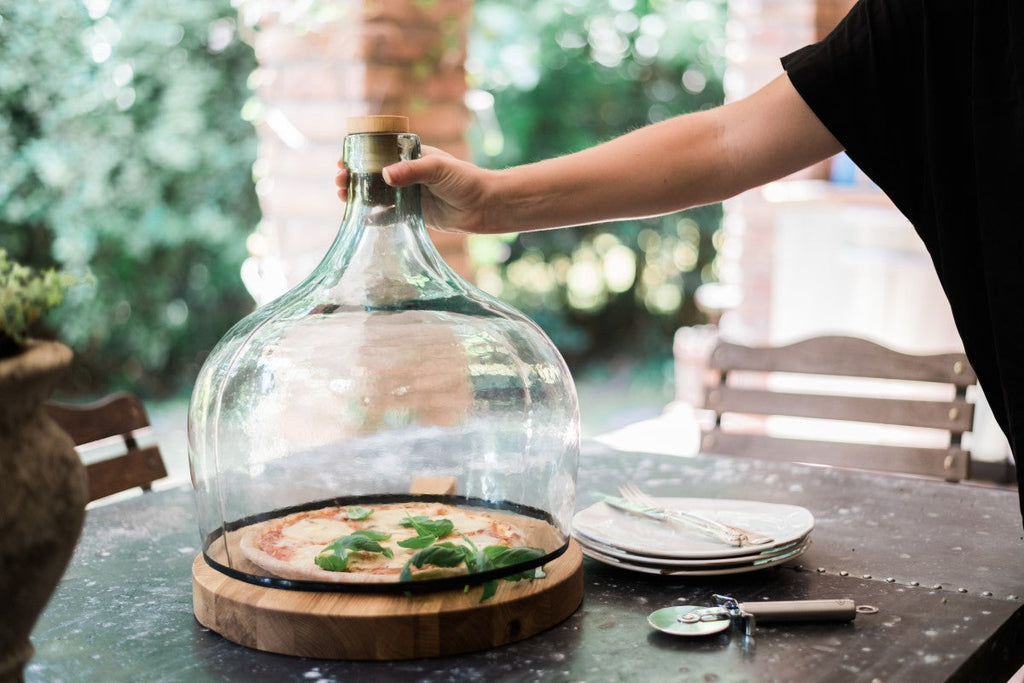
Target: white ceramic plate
653 538
713 571
626 556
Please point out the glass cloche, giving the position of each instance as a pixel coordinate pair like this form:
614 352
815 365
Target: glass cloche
384 425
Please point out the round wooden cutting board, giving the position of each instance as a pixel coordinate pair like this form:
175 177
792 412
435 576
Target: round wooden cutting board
329 625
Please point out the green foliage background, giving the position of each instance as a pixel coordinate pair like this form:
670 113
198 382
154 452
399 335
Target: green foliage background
569 74
124 154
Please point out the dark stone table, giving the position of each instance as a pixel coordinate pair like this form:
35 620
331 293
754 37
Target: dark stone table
943 563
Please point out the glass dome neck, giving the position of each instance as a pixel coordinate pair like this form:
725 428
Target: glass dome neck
372 203
365 156
371 152
383 253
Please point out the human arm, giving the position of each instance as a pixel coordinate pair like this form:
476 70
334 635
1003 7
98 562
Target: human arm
686 161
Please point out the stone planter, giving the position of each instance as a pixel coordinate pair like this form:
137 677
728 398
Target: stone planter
43 492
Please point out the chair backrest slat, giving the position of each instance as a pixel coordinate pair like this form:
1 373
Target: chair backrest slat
120 416
956 415
117 414
758 396
848 356
951 464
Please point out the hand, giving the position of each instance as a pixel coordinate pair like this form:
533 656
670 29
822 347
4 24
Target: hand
685 161
454 193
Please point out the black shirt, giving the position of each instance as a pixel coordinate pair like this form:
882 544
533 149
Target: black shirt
927 97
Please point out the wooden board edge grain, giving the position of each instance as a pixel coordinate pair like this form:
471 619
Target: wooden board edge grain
385 627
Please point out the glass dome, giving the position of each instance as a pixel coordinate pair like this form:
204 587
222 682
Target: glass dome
411 418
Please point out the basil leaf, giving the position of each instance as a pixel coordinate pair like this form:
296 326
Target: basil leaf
493 551
334 557
364 544
417 542
479 562
513 556
357 512
440 555
502 556
410 520
448 554
332 560
467 554
490 588
438 528
475 560
528 575
335 546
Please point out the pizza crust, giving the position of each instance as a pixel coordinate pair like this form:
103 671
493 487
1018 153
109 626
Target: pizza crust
286 547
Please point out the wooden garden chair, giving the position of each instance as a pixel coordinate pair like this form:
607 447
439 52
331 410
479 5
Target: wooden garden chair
106 434
747 392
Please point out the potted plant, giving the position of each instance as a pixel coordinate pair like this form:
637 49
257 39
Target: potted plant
43 488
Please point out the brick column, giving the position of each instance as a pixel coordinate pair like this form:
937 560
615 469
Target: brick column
351 58
759 33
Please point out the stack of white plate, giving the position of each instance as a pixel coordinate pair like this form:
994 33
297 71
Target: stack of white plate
643 544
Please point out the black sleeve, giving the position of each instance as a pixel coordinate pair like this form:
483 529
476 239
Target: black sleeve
927 97
881 87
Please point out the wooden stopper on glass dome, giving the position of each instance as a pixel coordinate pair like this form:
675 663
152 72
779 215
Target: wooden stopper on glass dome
381 123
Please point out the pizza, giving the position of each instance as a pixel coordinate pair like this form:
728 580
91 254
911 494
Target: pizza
381 543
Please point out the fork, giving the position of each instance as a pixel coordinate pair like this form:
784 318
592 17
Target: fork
739 536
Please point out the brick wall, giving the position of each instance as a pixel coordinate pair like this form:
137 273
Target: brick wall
759 33
364 57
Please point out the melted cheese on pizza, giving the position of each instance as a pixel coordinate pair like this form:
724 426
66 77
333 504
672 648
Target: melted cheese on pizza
297 539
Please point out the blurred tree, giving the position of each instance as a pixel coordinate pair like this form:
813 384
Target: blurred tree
125 154
559 76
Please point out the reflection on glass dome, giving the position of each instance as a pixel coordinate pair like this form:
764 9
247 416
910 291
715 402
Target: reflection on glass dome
333 430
